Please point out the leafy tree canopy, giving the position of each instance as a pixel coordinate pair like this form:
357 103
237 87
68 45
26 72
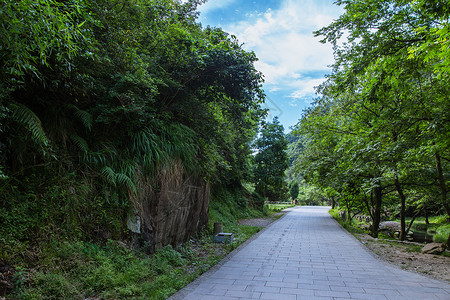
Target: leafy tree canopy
380 128
271 161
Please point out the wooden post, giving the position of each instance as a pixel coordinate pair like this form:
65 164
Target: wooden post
218 227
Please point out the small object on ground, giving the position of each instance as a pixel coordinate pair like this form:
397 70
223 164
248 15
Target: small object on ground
223 237
433 248
218 227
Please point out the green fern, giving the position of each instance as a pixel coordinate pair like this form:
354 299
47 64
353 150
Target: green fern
83 116
80 143
116 178
109 175
123 179
24 116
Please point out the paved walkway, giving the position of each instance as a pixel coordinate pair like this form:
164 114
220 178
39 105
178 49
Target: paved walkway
307 255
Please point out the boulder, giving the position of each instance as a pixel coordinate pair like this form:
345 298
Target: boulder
433 248
390 226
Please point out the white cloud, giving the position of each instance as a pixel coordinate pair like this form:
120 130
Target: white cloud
290 57
274 89
305 87
283 40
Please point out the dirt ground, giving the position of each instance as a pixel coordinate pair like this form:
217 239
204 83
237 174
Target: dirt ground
263 222
400 254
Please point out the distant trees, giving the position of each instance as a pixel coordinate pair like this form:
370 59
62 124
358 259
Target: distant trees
271 161
293 190
379 135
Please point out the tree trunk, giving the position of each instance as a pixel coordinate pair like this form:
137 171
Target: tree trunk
218 228
349 216
448 242
412 221
399 189
377 211
333 203
442 183
369 207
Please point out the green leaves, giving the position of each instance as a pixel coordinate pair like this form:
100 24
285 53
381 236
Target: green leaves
117 178
271 162
24 116
381 106
120 88
36 32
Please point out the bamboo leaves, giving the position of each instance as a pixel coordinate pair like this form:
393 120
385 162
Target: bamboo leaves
34 32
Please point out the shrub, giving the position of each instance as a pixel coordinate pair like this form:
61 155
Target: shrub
442 233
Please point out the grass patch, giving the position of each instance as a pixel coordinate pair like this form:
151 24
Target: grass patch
270 208
442 233
350 227
77 270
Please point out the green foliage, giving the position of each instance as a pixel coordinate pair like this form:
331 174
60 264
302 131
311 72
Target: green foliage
335 213
84 269
36 33
347 225
271 162
442 234
111 91
120 87
437 226
293 190
25 117
66 210
257 200
311 195
271 208
172 257
80 269
228 205
95 95
377 137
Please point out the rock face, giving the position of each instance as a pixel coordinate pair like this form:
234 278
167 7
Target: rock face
433 248
172 207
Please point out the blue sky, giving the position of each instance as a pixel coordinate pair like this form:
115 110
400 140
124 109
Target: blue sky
280 33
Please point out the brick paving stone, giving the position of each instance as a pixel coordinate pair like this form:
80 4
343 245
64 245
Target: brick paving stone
278 296
281 284
307 255
265 289
331 294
